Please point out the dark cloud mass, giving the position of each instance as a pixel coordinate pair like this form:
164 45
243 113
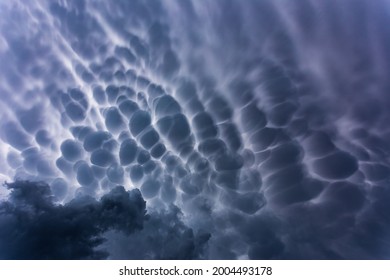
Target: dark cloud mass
34 227
239 129
164 236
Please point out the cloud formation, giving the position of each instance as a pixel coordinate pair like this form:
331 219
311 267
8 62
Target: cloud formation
253 130
34 227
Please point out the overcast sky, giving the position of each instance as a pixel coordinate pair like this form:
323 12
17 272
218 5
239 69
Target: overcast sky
236 129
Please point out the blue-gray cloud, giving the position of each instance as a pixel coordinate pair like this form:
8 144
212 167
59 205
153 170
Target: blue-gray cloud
33 226
259 129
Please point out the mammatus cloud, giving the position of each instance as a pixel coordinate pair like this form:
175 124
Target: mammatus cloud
252 129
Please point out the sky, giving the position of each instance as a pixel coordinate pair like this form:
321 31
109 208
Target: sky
183 129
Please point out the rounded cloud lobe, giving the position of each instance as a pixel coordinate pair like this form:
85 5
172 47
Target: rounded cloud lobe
253 130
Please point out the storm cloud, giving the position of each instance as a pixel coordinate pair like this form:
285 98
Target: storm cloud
34 227
244 129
